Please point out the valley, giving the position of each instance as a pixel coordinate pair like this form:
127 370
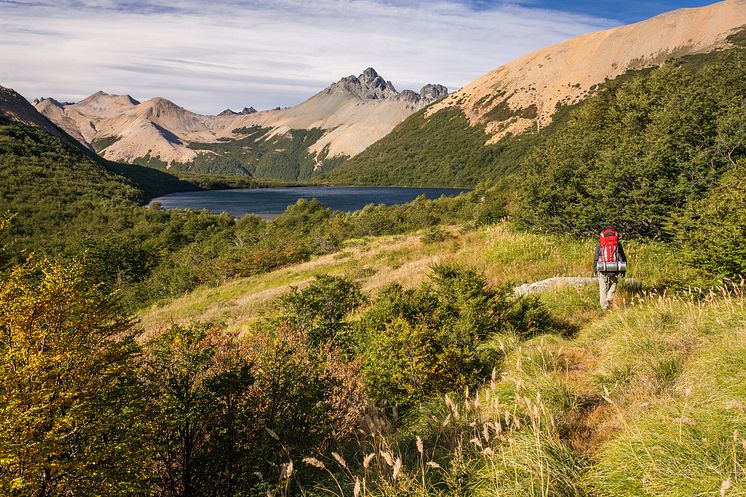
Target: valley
259 303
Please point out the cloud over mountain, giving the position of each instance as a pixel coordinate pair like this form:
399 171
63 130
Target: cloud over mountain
233 53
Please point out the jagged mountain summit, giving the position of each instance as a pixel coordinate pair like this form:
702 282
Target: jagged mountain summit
371 86
245 111
338 122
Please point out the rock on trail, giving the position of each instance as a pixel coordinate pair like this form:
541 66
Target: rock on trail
552 283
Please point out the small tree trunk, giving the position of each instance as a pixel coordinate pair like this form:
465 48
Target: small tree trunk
42 492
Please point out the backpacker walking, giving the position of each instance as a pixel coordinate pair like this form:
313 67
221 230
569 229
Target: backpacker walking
609 263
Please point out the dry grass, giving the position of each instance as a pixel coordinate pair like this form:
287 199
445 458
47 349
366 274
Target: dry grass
639 398
647 401
504 255
375 262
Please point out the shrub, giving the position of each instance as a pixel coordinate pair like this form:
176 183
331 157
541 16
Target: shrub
435 234
319 309
711 231
421 342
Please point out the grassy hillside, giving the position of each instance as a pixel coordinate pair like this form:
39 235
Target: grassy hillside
384 352
502 254
591 404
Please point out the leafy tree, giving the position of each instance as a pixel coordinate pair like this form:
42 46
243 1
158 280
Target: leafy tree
712 230
67 400
309 397
319 309
196 380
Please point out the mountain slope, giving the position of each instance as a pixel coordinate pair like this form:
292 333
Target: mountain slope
49 180
525 93
523 98
338 122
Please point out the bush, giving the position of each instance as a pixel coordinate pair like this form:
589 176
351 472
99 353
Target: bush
425 341
711 231
319 309
435 234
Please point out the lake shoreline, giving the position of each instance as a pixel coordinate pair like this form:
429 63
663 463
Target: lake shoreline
271 202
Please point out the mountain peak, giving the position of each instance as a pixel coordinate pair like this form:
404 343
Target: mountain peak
103 100
15 107
244 112
369 74
367 86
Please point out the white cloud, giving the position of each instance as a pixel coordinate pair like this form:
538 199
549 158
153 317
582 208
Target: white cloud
210 55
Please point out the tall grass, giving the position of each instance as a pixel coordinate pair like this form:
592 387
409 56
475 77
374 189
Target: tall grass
648 401
674 376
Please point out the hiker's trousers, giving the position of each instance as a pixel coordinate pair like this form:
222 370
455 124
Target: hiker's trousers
607 288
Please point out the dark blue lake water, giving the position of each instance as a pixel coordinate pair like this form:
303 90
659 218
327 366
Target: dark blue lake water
271 202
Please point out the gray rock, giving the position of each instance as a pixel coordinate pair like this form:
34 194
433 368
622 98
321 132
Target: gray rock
409 96
552 283
245 111
430 93
371 86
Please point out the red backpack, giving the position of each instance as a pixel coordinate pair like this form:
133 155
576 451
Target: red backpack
609 240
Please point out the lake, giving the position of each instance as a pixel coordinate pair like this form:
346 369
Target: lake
271 202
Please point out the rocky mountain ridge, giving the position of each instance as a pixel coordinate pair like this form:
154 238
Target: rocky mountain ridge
371 86
14 107
245 111
351 114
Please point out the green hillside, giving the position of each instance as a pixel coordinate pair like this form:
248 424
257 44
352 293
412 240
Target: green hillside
641 150
440 150
444 150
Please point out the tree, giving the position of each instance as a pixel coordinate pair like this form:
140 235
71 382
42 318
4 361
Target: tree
66 393
711 231
196 378
319 309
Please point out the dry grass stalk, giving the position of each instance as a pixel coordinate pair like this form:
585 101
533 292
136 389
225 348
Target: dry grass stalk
340 460
312 461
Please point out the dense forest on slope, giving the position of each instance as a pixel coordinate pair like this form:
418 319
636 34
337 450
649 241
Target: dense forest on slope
440 150
640 151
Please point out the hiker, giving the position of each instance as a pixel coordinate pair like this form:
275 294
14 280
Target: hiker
609 263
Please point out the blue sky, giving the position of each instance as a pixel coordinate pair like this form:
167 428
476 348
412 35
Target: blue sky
624 12
209 55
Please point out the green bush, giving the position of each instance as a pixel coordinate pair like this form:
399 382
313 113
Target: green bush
416 343
319 309
712 230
